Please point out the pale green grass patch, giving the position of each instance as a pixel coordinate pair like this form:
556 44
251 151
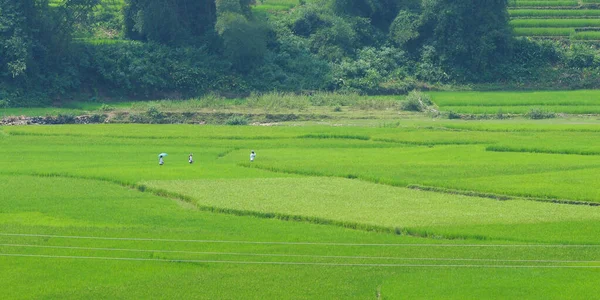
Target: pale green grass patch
354 201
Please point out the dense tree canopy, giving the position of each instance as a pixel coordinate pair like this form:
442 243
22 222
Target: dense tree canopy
172 22
470 36
187 47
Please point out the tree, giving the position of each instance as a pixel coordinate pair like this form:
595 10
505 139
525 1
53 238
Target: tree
171 22
404 28
244 40
14 41
469 36
35 47
381 13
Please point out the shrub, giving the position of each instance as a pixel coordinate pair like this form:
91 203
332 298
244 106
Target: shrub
96 118
453 115
64 119
154 113
237 120
416 101
538 114
500 115
106 107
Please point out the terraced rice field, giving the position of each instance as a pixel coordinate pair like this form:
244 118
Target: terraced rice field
568 102
577 20
428 209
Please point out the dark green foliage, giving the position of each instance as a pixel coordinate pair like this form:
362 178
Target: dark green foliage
244 41
582 56
173 22
37 62
152 70
372 69
404 28
470 37
379 12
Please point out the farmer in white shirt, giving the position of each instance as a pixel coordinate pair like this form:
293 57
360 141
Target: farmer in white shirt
160 160
191 159
252 156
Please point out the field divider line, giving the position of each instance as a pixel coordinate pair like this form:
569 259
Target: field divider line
293 263
296 243
300 255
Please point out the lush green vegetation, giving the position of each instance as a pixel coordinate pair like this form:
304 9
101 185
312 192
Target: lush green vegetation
59 51
87 211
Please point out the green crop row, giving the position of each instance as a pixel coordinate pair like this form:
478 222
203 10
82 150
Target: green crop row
523 31
554 12
511 99
529 3
587 35
573 23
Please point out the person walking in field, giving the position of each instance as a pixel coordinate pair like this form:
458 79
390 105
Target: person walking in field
190 159
252 156
161 160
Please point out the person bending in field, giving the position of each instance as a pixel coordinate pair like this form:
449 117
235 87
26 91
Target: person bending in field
252 156
191 159
161 161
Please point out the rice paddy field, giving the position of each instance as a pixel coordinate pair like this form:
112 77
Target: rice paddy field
577 20
567 102
422 209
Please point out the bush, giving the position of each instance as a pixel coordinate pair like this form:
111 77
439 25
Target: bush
237 120
96 118
416 101
106 107
155 115
453 115
538 114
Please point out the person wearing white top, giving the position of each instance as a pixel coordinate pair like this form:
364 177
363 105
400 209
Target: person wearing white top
160 160
190 159
252 155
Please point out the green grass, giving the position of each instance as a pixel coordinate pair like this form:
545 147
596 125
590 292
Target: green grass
87 212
